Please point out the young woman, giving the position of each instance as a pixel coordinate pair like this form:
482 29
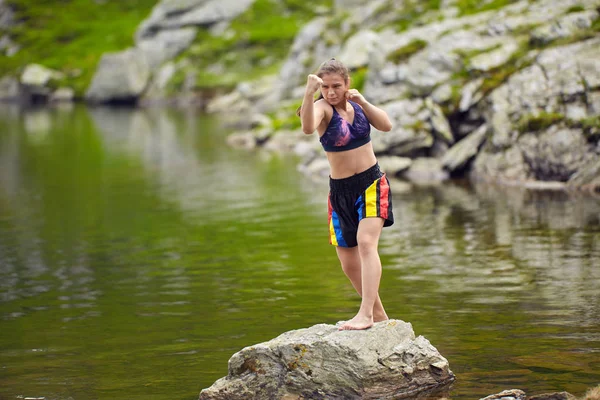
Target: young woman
360 201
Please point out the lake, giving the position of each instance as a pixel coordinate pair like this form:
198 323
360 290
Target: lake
138 252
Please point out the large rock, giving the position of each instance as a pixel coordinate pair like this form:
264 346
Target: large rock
555 154
512 394
120 76
38 75
462 152
321 362
302 58
176 14
559 83
357 50
165 45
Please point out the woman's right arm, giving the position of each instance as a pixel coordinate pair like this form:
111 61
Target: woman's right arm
311 115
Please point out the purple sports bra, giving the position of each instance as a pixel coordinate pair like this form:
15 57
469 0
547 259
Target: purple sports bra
342 136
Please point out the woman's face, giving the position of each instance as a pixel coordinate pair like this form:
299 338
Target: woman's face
334 88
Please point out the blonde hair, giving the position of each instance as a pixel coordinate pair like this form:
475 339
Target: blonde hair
331 66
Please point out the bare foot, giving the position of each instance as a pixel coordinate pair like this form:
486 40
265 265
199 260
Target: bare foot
357 323
379 318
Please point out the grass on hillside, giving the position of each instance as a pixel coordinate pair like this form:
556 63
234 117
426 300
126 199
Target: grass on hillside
257 42
71 35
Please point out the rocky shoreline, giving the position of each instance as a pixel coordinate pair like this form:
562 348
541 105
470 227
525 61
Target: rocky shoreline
509 94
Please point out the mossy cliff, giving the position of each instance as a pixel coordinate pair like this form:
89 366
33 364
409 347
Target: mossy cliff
501 90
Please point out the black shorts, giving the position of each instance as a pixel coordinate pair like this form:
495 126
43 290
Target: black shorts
366 194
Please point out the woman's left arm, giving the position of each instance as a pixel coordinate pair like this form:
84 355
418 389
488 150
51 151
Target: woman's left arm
377 117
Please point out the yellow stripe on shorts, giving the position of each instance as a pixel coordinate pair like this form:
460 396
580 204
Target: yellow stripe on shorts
371 200
332 236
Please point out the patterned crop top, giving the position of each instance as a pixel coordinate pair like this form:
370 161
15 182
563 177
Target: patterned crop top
341 135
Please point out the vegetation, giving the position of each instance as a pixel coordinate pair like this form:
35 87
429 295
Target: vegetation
574 9
286 118
71 37
590 126
539 122
255 44
358 78
404 53
468 7
406 16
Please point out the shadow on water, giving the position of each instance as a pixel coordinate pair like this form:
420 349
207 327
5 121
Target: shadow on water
138 253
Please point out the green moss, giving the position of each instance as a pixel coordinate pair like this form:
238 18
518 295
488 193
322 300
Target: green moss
72 36
405 52
411 12
358 78
419 126
468 7
539 122
499 75
257 42
595 26
574 9
466 55
590 126
286 117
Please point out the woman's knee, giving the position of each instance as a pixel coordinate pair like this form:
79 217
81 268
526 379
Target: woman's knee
367 244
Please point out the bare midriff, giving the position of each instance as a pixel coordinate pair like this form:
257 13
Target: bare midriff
344 164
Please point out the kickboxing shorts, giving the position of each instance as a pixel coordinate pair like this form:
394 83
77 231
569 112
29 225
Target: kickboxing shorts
366 194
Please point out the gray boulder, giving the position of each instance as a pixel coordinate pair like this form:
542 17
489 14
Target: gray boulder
357 50
176 14
426 170
120 76
165 45
511 394
565 26
36 75
321 362
460 154
555 154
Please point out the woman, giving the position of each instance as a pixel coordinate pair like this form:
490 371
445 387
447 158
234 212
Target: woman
360 202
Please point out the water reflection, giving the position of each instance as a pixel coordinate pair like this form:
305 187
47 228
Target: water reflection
142 233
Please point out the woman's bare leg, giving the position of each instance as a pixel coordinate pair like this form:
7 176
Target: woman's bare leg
369 230
350 260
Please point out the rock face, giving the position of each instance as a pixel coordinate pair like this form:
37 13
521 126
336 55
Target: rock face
320 362
120 77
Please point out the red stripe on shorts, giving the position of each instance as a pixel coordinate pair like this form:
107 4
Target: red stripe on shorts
384 192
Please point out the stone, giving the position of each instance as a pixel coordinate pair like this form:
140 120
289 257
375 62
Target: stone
176 14
495 58
553 396
587 177
121 76
242 140
38 75
555 154
62 94
463 151
426 170
470 95
166 45
438 120
394 165
564 26
321 362
357 50
512 394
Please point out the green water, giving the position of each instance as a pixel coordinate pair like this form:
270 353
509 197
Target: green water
138 253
